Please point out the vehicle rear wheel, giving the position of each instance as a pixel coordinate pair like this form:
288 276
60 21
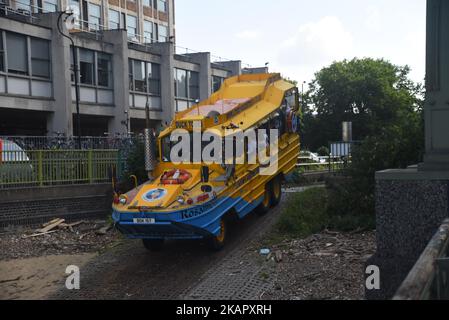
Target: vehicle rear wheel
217 242
276 191
266 203
153 244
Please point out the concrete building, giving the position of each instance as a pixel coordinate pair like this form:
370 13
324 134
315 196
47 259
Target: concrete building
126 57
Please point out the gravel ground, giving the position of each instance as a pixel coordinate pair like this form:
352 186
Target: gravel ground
325 266
83 239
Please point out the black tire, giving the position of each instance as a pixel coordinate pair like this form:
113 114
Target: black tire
153 244
217 243
264 207
276 191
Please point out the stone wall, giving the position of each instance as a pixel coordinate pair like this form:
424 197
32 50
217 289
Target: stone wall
408 213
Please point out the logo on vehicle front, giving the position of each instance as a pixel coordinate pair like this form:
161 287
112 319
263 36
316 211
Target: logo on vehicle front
155 194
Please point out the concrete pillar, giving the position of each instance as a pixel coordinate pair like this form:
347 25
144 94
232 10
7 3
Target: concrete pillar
203 60
437 85
61 120
119 123
166 51
234 66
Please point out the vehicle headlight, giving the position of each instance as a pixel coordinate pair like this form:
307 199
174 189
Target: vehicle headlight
123 199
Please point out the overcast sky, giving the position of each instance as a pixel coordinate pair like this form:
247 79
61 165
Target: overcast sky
299 37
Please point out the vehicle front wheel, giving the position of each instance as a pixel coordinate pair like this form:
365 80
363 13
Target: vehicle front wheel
153 244
217 242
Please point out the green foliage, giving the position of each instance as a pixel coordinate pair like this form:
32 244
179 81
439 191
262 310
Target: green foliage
309 212
136 166
323 151
385 108
370 93
304 214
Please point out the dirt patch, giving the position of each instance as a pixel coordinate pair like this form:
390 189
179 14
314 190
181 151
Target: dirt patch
83 238
325 266
36 278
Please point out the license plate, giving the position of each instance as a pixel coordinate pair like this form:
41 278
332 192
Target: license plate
144 220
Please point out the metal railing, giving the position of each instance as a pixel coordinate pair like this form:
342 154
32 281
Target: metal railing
62 142
429 278
18 8
20 168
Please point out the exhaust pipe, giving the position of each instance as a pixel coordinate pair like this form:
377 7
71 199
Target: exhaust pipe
150 145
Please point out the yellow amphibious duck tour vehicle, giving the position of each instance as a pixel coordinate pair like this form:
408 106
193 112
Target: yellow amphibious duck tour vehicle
192 198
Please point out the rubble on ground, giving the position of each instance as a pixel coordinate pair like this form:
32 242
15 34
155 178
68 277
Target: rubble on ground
329 265
56 237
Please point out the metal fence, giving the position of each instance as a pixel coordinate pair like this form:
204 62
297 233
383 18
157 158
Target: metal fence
61 142
20 168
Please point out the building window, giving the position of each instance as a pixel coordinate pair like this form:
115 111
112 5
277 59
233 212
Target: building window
94 16
162 5
139 76
86 58
24 6
104 70
40 58
16 45
147 31
49 5
114 19
181 83
147 3
216 83
154 78
163 33
194 85
131 26
2 53
145 77
187 88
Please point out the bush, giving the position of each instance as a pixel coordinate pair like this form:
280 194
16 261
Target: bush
323 151
304 214
311 211
135 166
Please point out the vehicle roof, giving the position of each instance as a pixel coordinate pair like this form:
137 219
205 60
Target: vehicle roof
241 101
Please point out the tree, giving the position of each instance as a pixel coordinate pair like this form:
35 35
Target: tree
385 107
370 93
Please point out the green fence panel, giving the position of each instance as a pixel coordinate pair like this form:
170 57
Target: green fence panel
56 167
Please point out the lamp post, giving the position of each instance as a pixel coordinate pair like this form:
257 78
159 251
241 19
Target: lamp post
302 95
75 71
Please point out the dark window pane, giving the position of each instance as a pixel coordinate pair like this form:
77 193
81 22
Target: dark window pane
216 83
2 55
86 66
130 73
139 76
40 58
181 83
194 85
154 76
41 68
104 70
17 59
